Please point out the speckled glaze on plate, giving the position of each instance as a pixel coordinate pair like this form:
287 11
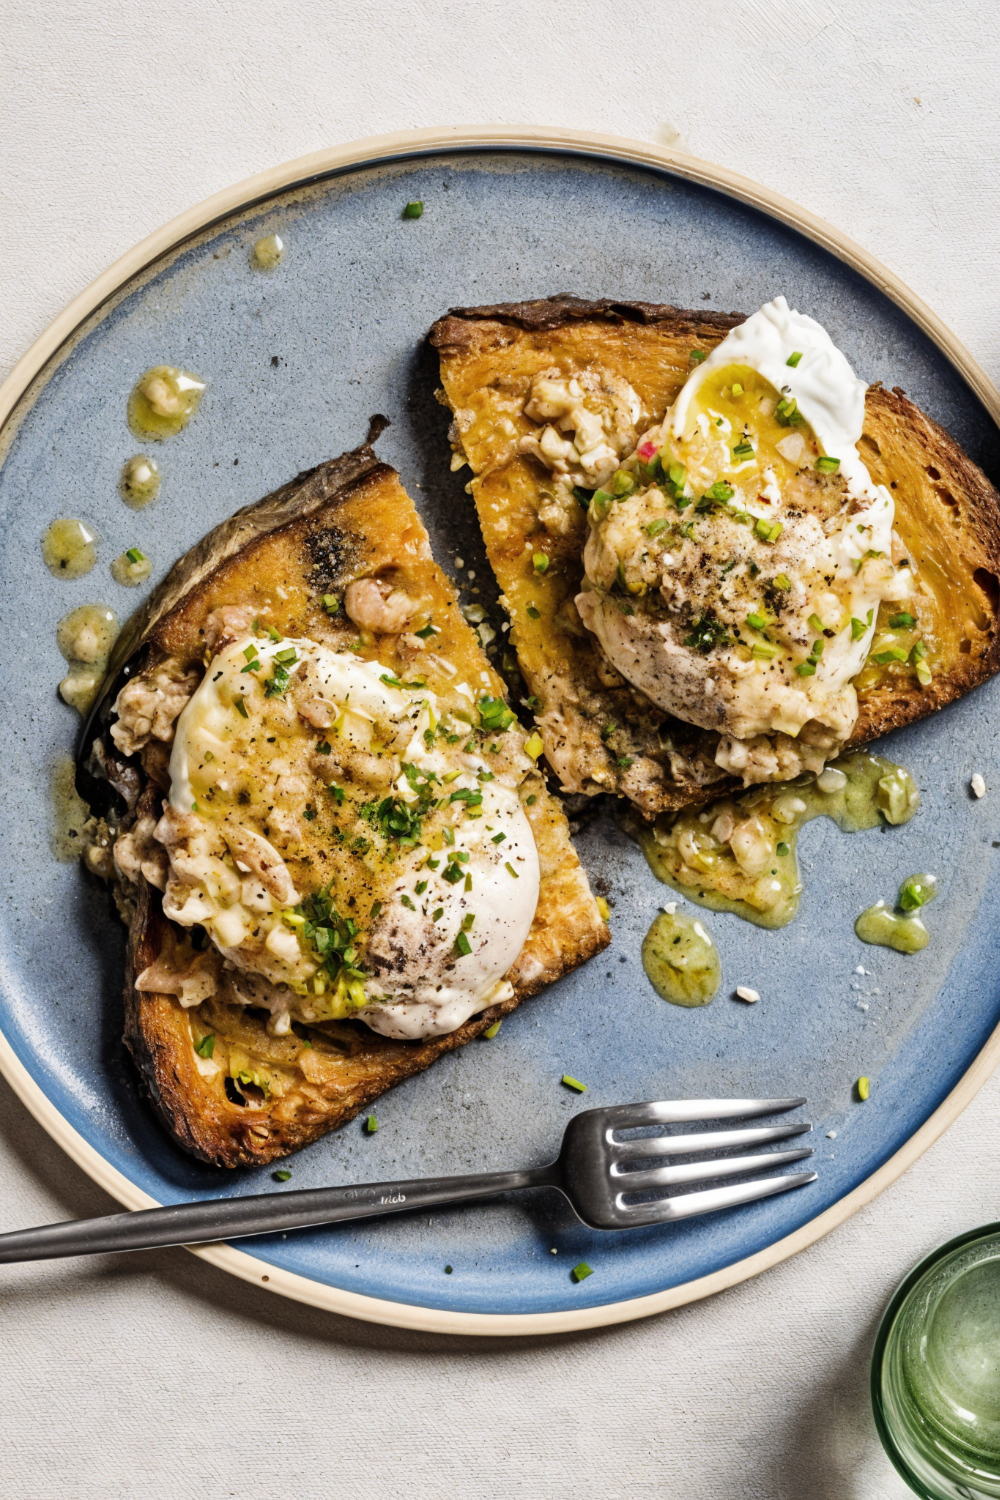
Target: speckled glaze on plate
296 360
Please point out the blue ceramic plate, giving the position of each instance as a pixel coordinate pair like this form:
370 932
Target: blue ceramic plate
296 360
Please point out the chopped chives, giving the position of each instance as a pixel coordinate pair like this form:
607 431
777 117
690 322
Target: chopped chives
509 868
757 622
573 1083
763 652
737 388
827 465
815 623
420 887
697 355
134 555
491 1031
330 603
281 1176
794 358
206 1046
249 652
783 582
462 945
240 707
581 1272
437 914
413 210
743 450
782 847
540 562
371 1125
902 621
533 613
655 527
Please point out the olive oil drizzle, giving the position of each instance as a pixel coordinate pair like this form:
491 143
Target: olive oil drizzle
739 854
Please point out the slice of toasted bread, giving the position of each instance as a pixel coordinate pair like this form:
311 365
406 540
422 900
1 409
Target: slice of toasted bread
601 735
346 520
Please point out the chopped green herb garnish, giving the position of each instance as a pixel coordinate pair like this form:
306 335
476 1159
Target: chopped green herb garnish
240 707
743 451
783 582
510 869
573 1083
581 1272
337 792
863 1087
737 388
697 356
806 669
782 847
249 652
420 887
282 1176
655 527
494 714
757 622
309 814
815 623
371 1125
206 1046
894 653
531 800
498 838
768 531
437 914
462 945
392 681
376 908
794 358
278 682
413 211
902 621
827 465
533 613
134 555
427 631
405 901
324 747
720 491
706 634
763 652
491 1031
286 657
331 604
540 562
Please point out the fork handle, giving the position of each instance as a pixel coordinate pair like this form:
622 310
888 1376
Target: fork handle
264 1213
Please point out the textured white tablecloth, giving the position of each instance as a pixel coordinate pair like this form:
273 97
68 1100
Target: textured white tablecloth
155 1375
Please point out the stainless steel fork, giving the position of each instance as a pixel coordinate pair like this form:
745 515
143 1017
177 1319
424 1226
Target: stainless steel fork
599 1174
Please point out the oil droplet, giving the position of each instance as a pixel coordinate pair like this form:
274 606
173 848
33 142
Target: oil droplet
139 484
68 549
69 812
883 927
738 854
131 568
85 637
680 960
268 253
163 402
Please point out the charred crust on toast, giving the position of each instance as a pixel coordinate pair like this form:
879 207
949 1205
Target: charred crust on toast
457 329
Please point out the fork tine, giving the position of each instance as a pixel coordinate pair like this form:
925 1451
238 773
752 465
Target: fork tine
709 1140
697 1171
678 1111
689 1204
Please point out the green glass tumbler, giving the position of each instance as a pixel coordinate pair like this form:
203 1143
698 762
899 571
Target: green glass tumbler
936 1371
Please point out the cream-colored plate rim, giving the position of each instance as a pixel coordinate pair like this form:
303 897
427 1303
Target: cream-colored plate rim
380 150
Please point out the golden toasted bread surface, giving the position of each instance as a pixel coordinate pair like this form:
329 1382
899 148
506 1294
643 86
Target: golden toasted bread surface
602 735
250 1096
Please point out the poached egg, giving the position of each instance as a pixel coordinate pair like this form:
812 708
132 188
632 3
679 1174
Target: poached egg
348 844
